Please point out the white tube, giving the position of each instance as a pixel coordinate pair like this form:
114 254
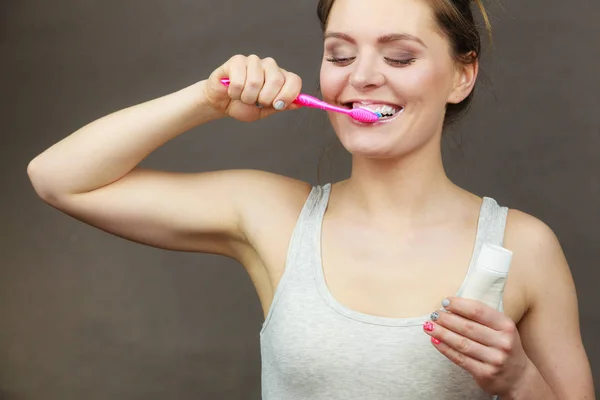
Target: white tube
487 280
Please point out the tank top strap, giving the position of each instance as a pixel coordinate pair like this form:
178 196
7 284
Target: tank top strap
302 246
307 225
322 201
490 229
492 222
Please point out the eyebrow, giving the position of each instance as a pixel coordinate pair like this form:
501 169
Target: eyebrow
392 37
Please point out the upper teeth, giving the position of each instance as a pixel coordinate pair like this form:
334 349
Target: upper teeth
379 108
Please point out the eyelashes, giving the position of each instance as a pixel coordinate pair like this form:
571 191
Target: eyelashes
340 60
343 61
401 63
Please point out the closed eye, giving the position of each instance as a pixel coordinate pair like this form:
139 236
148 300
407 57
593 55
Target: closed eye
341 61
399 63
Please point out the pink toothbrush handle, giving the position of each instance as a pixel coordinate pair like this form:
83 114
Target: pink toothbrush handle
307 101
310 101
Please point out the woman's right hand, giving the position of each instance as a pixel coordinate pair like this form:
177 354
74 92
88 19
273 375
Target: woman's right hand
258 88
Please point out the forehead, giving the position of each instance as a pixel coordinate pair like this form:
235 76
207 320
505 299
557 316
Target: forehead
377 17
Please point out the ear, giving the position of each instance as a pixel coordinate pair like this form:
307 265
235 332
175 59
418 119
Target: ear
464 80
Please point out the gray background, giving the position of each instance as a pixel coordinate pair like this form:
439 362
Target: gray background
85 315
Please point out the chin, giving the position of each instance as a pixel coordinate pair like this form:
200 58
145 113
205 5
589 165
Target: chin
390 138
385 146
371 150
381 140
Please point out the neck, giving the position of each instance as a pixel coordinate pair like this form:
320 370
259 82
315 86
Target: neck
409 186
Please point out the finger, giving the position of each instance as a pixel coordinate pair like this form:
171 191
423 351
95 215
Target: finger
476 311
274 81
289 92
255 79
463 345
235 70
471 365
467 328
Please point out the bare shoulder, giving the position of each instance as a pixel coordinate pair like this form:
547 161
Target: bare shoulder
272 204
539 263
272 186
529 230
264 200
266 196
532 238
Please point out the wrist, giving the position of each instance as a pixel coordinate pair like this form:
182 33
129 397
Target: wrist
530 386
201 111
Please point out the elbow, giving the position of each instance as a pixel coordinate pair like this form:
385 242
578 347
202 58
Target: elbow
40 182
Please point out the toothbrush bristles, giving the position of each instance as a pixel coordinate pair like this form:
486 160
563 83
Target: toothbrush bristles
365 115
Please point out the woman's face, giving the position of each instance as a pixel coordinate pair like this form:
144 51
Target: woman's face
389 56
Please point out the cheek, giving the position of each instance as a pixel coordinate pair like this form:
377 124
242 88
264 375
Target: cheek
438 77
425 81
332 81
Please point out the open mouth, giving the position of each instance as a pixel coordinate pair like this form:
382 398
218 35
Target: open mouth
387 111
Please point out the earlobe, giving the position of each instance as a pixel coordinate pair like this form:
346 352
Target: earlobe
466 76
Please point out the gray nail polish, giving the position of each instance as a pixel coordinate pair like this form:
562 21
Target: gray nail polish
279 105
434 316
445 303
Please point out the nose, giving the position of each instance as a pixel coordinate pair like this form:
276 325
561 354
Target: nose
366 74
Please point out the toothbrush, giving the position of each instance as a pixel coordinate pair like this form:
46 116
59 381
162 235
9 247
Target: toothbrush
359 114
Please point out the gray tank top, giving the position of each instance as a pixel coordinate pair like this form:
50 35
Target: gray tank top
314 348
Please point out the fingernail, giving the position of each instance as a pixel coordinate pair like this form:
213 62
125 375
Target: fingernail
279 105
445 303
435 341
435 316
428 326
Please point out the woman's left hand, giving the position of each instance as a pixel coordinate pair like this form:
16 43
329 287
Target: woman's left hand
482 341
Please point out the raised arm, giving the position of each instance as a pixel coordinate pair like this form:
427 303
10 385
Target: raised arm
93 174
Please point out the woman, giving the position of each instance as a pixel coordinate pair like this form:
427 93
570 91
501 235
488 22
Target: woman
348 274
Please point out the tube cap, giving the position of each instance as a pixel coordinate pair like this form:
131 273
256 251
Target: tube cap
495 258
